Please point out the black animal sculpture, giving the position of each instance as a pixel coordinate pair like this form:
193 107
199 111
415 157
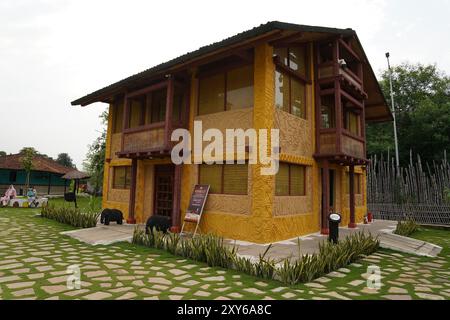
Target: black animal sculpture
109 215
160 223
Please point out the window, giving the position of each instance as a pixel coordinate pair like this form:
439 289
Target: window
290 94
117 116
136 107
226 91
294 58
12 176
290 180
327 111
158 106
178 105
357 182
225 178
352 122
121 177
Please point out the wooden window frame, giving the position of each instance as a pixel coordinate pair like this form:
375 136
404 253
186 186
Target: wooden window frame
222 179
288 75
290 184
125 185
224 71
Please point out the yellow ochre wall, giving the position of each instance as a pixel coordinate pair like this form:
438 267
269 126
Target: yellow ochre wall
264 217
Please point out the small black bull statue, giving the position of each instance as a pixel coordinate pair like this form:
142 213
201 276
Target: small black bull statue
109 215
160 223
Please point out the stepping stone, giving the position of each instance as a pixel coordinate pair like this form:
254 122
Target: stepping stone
20 271
54 289
344 270
356 283
336 274
24 292
177 272
261 284
397 290
429 296
19 285
288 295
222 289
181 290
323 280
151 298
112 266
44 268
279 289
127 296
159 281
149 291
9 278
160 287
218 278
126 278
93 274
105 285
253 290
56 280
222 298
190 283
202 294
120 290
106 279
11 266
138 283
183 277
369 290
98 296
397 297
336 295
75 292
235 295
314 285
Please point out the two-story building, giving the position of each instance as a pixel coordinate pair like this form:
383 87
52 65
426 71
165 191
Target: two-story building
314 84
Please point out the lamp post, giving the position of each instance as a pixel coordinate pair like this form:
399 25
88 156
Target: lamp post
397 162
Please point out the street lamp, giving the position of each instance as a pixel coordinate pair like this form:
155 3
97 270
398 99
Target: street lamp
393 113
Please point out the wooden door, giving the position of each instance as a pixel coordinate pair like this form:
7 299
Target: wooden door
163 199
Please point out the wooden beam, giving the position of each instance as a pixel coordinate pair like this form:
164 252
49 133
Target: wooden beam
131 219
169 108
325 197
285 41
176 214
148 89
351 175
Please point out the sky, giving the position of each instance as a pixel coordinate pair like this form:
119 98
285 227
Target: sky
54 51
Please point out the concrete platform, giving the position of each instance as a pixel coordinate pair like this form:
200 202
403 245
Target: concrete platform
103 235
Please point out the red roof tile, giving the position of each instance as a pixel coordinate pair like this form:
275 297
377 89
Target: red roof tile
40 163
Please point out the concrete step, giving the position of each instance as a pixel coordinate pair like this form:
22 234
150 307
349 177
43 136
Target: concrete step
408 245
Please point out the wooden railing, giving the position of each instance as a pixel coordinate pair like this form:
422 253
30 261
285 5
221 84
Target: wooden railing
144 138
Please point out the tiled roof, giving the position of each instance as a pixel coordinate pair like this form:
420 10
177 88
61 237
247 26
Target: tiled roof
40 163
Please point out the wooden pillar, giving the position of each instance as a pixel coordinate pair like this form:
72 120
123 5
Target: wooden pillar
169 108
131 219
337 97
325 197
351 188
176 214
49 183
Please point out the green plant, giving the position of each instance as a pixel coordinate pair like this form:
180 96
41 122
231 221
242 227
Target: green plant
72 216
213 251
406 228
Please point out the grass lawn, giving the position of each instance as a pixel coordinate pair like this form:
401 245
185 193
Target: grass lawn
34 257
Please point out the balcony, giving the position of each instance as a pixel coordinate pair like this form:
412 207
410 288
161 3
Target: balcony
340 110
150 116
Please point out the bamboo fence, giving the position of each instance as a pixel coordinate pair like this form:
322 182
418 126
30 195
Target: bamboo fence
418 192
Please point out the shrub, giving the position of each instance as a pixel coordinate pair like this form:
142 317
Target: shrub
406 228
71 216
212 250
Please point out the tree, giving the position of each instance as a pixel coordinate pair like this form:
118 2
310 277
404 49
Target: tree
2 153
422 105
28 154
65 160
95 157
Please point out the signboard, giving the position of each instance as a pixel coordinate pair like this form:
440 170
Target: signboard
197 202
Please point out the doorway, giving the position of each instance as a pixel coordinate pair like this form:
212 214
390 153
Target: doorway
163 197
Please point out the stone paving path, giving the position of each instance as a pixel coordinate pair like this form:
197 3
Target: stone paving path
34 257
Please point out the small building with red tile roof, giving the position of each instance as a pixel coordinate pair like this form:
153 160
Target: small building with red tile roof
45 175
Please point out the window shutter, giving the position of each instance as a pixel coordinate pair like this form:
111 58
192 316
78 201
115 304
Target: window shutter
235 178
297 180
240 88
211 94
212 175
282 180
